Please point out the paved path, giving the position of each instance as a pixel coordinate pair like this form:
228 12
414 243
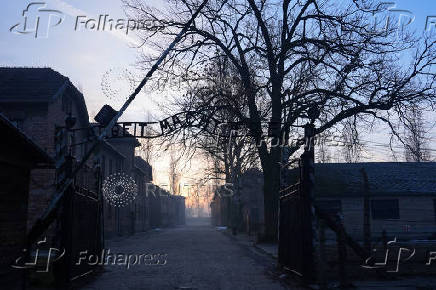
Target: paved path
198 257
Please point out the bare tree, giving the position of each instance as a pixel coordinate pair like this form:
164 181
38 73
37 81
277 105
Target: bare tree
352 147
294 56
174 171
415 141
230 146
322 150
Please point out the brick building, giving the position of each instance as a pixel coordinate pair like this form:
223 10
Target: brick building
37 100
111 161
124 218
143 176
18 156
118 155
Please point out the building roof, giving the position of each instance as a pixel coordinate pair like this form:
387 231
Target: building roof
143 166
29 84
141 163
18 142
112 149
385 178
37 85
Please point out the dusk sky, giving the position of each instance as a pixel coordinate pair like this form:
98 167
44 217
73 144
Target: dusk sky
86 55
275 144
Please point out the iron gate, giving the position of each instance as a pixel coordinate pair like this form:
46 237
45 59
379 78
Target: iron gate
297 230
296 237
82 228
290 229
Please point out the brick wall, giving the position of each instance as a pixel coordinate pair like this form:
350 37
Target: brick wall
13 208
38 122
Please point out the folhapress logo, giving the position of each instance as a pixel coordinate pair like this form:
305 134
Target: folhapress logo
38 20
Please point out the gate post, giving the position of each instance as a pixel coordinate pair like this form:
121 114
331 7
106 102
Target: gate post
366 209
285 154
342 254
310 228
322 256
101 237
63 266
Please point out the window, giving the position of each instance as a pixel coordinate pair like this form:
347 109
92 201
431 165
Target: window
385 209
331 207
110 166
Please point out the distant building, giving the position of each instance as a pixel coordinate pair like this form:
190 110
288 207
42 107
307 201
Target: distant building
36 101
402 197
240 205
180 210
111 161
250 188
143 176
220 208
166 210
118 155
154 194
18 156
